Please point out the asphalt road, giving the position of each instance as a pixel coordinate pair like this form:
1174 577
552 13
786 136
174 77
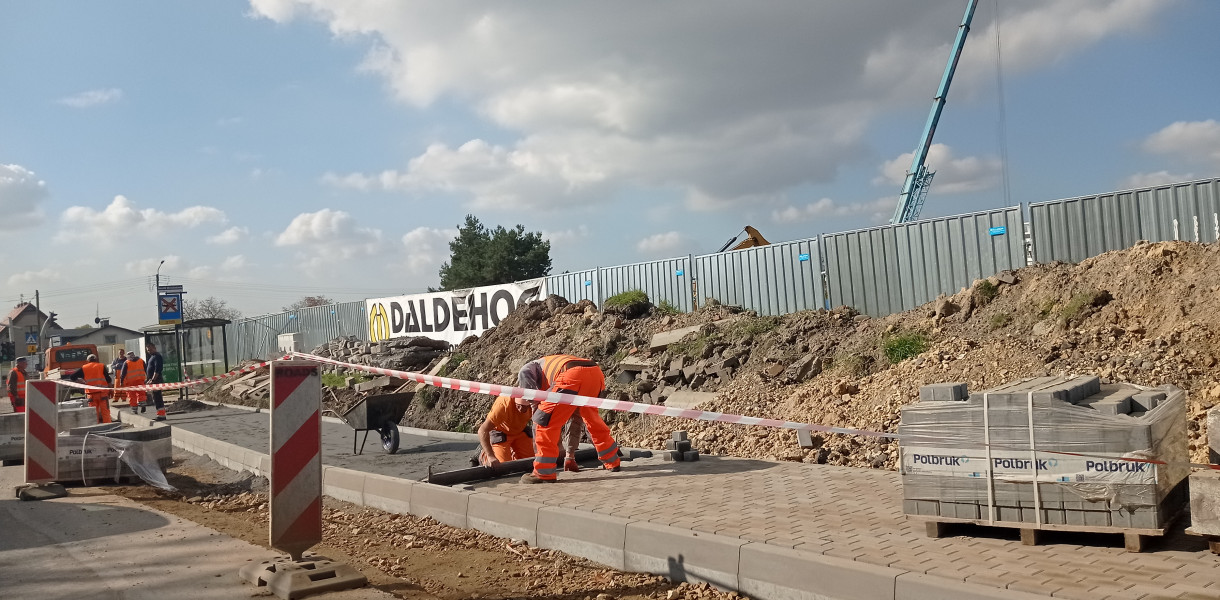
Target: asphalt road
416 453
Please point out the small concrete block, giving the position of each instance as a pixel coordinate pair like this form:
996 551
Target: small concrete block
678 436
599 538
1097 518
683 554
676 446
944 392
776 573
343 484
671 456
1145 401
690 455
504 517
804 438
1205 502
46 491
391 494
446 505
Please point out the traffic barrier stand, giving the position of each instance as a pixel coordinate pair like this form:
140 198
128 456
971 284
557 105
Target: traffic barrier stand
296 489
41 443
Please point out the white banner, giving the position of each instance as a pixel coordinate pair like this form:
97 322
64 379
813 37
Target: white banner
1016 465
450 316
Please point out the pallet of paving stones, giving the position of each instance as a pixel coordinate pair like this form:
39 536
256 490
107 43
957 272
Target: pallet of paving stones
92 453
995 457
678 448
12 429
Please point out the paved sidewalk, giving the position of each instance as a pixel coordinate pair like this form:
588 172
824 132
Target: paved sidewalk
855 514
772 530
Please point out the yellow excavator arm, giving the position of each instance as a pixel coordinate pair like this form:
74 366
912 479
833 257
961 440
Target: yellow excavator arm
753 239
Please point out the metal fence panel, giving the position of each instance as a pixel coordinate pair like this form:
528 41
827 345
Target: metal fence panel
256 338
575 287
771 280
884 270
663 280
1074 229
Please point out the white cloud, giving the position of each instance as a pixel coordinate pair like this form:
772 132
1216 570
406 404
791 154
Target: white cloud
234 263
670 242
1194 141
40 277
600 99
21 197
231 235
148 266
567 236
92 98
425 248
1143 180
121 219
953 175
825 207
329 236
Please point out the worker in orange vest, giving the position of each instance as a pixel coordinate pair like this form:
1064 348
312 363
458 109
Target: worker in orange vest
16 385
504 434
133 374
94 373
565 374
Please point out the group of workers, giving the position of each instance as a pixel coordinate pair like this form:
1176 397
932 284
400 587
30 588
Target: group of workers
506 433
130 370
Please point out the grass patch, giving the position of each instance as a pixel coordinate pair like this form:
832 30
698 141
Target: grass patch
756 325
627 298
852 365
904 345
999 320
691 348
1082 305
455 361
1046 308
337 380
428 396
665 308
987 291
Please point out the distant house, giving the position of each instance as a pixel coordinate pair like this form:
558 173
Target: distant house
107 335
21 327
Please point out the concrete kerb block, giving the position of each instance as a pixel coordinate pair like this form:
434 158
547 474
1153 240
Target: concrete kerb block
249 459
390 494
779 573
504 517
343 484
918 586
599 538
445 504
683 555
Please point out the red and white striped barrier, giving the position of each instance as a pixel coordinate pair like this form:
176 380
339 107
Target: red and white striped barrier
41 437
296 456
167 386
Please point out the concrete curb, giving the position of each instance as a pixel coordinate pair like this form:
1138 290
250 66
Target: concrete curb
756 569
427 433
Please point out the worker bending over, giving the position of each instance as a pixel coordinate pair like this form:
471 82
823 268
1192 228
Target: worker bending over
565 374
94 373
133 374
504 434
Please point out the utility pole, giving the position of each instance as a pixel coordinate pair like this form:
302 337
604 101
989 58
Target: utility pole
38 320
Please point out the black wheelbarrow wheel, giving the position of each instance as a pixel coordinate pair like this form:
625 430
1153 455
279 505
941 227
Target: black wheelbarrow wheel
389 437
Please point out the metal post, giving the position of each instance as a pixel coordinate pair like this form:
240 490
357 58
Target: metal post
38 323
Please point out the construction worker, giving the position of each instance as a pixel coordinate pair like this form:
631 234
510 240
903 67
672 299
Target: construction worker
116 367
16 385
566 375
94 373
154 372
133 374
504 434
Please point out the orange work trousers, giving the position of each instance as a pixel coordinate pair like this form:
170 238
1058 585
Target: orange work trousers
515 447
135 397
100 403
550 417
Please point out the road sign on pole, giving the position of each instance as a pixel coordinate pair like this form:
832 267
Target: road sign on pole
169 308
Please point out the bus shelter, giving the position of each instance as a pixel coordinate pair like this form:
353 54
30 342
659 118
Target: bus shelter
191 349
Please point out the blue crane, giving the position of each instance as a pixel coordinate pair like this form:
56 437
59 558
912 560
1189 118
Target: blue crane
915 188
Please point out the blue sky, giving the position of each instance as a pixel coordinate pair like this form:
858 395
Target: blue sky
272 149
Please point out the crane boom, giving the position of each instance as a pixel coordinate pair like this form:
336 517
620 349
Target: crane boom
915 187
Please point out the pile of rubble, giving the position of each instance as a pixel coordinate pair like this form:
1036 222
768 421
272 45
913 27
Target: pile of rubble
402 354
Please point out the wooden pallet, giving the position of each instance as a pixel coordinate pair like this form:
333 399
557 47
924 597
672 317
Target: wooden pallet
1134 540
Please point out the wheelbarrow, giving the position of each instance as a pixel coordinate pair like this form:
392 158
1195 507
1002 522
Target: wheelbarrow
377 413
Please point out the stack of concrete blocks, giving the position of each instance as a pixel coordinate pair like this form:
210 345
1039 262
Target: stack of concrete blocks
86 453
1205 489
678 448
947 469
12 429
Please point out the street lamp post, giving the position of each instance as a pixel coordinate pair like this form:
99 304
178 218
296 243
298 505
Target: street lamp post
159 276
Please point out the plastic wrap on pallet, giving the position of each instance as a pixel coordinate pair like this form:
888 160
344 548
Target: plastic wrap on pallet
944 457
138 452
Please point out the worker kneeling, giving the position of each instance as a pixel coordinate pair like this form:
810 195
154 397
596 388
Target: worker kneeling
94 373
565 375
504 434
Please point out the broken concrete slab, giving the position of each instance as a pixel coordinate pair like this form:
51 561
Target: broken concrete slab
45 491
635 364
373 384
688 399
662 340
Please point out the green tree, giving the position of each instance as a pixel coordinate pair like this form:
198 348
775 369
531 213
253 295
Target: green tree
482 256
309 301
209 308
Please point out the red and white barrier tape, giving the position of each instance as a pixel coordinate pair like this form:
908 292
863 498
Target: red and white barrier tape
164 386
